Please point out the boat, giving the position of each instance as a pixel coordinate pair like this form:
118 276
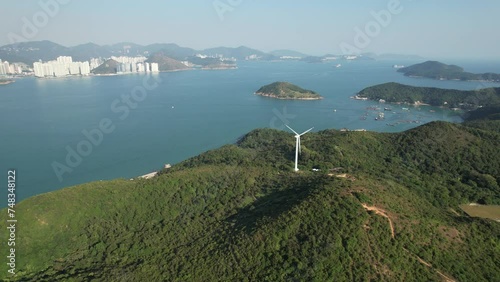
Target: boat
338 65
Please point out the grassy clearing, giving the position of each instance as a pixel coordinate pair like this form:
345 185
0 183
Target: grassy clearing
482 211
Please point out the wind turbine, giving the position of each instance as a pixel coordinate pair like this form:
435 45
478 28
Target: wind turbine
297 144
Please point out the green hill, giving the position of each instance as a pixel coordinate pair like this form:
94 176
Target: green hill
438 70
383 207
485 118
286 90
212 63
289 53
399 93
108 67
166 63
240 53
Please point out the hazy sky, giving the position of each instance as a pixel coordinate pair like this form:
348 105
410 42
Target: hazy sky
430 28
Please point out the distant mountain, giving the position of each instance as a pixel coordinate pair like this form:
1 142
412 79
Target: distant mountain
330 57
89 50
166 63
390 56
172 50
289 53
438 70
240 53
29 52
312 59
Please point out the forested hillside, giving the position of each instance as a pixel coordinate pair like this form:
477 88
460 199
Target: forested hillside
383 206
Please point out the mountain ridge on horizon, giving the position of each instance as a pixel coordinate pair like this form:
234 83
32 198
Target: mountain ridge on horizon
32 51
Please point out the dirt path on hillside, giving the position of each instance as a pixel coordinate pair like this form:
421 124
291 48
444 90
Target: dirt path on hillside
382 213
445 277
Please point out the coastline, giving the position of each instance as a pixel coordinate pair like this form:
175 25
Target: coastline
129 73
284 98
452 79
220 68
415 104
5 82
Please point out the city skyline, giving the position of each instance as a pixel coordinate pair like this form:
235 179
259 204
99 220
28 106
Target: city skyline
384 26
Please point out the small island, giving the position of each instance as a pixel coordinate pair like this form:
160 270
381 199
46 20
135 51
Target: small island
438 70
287 91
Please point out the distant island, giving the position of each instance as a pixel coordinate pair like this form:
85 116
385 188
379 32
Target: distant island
288 91
462 99
438 70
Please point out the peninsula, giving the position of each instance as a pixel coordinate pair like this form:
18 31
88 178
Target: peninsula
438 70
450 98
287 91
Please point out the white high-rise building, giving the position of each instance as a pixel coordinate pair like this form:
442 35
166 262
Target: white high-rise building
64 60
16 68
7 67
74 68
154 67
125 59
59 69
38 69
147 67
48 69
95 62
140 67
2 69
84 68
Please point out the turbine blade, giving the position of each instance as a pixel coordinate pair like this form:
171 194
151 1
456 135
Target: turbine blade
306 131
300 148
291 129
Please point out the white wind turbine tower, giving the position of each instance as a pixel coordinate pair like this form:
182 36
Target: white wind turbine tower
297 144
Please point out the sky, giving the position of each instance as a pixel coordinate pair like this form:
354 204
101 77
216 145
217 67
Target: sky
429 28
